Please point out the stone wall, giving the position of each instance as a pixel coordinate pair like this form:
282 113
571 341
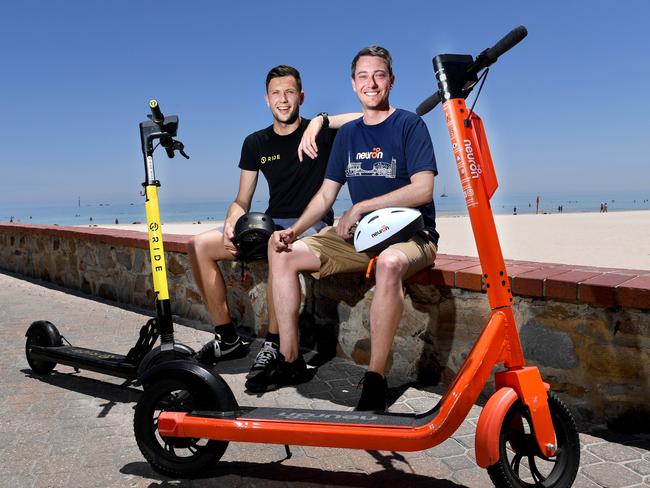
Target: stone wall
587 329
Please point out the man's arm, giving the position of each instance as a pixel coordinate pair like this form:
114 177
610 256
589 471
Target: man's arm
418 192
241 205
308 142
318 206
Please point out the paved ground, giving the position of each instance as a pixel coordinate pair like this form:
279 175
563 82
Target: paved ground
75 429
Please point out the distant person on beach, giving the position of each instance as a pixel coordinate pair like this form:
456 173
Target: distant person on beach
274 151
396 139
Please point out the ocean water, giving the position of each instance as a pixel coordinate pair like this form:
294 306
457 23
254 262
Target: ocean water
82 213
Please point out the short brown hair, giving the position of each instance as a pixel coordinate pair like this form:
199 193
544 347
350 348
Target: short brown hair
283 70
378 51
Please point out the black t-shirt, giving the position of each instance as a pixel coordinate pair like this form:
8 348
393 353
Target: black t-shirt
292 184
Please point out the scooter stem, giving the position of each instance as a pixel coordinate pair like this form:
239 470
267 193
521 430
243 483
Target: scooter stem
479 182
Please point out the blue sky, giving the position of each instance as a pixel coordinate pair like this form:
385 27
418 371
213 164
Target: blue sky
566 110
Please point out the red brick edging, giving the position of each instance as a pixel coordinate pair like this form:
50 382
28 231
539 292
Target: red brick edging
605 287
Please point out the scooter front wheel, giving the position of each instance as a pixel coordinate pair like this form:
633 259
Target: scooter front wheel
521 464
174 456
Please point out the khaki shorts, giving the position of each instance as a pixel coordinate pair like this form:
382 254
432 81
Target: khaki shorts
339 256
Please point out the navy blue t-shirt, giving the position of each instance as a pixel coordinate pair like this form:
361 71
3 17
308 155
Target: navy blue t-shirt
378 159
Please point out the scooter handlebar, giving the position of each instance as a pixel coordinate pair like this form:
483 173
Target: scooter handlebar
156 115
428 105
507 42
483 60
491 54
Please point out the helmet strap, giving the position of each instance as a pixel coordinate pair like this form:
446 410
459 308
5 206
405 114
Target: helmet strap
244 271
371 265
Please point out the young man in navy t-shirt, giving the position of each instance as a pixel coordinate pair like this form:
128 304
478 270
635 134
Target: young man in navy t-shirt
387 160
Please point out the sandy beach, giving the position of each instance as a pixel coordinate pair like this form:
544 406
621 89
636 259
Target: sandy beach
612 240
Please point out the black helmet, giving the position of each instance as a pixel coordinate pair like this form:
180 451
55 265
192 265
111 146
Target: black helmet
252 233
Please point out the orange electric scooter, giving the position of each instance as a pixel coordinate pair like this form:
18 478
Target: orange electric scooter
525 435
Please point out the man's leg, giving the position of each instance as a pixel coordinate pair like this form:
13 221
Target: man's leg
284 223
267 357
286 366
393 266
385 314
387 306
286 267
205 250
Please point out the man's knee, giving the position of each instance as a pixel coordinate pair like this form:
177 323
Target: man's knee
299 258
207 246
280 261
390 266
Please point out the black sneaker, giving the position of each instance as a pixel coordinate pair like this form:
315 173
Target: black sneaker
217 350
283 374
266 359
373 395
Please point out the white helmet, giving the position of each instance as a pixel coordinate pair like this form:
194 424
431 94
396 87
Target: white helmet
386 226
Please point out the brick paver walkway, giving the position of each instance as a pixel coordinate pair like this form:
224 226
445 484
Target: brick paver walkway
75 429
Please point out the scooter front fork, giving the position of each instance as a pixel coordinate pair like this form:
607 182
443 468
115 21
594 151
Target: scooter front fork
523 384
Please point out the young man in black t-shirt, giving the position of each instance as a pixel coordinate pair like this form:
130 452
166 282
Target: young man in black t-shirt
294 171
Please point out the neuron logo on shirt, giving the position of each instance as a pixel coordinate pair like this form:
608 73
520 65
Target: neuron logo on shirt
374 154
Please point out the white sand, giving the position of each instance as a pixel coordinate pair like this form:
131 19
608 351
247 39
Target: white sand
612 240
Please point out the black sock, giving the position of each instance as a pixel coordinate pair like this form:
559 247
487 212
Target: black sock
227 332
273 338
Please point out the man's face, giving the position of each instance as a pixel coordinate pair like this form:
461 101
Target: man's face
284 99
371 82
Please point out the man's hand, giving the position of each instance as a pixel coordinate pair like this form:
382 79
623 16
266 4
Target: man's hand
308 142
281 240
347 223
228 236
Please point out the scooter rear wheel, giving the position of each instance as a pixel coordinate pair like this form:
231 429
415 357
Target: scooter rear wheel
522 465
175 456
41 333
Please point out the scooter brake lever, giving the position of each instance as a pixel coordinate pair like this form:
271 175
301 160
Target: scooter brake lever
180 147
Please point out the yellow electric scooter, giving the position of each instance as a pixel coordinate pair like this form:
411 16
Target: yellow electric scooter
45 346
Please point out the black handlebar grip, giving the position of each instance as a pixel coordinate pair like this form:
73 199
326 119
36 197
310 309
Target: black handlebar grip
428 105
507 42
157 116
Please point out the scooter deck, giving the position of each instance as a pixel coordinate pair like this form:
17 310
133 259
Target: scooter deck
89 359
384 419
303 427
